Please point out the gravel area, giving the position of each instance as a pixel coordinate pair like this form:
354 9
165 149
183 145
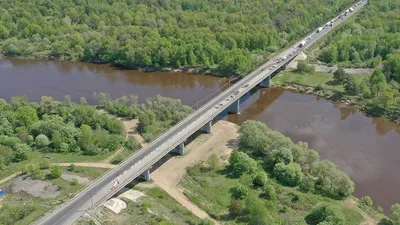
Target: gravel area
70 177
115 204
35 188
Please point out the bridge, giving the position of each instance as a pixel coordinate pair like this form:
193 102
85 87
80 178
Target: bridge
173 140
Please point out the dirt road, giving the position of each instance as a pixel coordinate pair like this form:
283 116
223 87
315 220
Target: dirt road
222 141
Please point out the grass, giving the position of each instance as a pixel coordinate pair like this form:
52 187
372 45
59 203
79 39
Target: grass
89 172
36 157
40 206
209 189
313 79
153 208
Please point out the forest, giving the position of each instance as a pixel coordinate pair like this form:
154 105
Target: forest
372 40
230 35
55 127
270 180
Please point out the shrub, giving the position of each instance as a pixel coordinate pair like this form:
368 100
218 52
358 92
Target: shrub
366 200
55 172
239 192
260 180
289 175
45 164
323 212
117 159
74 182
132 144
307 183
270 193
72 167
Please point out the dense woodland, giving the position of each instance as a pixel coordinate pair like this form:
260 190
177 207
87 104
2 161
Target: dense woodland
155 116
158 33
56 127
371 40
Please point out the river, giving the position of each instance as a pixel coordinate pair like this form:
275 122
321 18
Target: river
365 148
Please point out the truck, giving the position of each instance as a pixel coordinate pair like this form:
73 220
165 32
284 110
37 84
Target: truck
351 9
302 43
319 29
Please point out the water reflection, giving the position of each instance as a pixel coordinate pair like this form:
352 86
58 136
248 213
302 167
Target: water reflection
365 148
58 78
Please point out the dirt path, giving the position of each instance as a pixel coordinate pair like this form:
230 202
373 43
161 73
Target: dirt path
9 177
352 204
130 129
96 165
168 176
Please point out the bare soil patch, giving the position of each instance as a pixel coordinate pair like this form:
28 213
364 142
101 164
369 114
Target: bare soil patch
35 188
352 204
80 179
222 141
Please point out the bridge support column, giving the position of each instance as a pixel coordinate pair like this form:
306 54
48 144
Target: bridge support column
266 82
146 175
180 149
207 128
234 108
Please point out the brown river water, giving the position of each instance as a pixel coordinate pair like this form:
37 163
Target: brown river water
368 149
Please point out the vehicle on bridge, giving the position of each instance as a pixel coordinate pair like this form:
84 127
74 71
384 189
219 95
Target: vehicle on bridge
320 29
302 43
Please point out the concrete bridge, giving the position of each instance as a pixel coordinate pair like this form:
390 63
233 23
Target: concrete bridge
173 140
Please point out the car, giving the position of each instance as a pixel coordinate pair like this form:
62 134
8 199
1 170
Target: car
246 85
274 66
236 92
48 157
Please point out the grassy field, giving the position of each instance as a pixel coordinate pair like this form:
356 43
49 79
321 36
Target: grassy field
209 189
40 206
312 79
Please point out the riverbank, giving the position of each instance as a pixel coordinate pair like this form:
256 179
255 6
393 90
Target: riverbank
321 84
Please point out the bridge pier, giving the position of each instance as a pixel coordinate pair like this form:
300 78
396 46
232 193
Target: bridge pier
180 149
266 82
234 108
146 175
207 128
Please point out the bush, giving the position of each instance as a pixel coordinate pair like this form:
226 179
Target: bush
55 172
323 212
74 182
260 180
117 159
366 200
270 193
45 164
395 212
239 192
236 207
307 183
132 144
244 165
72 167
42 141
303 67
289 175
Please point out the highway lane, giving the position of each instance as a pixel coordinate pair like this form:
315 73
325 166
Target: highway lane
100 190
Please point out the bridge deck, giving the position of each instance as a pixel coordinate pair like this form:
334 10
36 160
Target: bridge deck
101 189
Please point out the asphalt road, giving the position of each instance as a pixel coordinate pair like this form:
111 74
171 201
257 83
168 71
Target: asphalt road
101 189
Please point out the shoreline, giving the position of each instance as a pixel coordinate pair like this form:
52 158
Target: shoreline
333 96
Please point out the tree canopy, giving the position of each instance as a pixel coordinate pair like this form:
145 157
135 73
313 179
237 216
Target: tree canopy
137 33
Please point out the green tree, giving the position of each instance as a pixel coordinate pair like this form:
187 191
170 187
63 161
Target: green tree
340 76
323 212
270 193
239 192
307 183
55 172
288 174
42 141
245 165
395 212
132 144
351 87
366 200
27 115
260 180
